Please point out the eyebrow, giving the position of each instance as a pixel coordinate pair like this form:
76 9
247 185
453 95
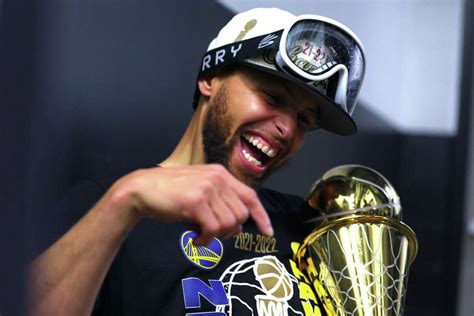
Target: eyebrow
314 110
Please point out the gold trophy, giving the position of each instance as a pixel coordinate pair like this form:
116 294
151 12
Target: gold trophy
359 251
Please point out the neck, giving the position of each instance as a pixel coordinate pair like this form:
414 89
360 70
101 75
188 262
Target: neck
189 150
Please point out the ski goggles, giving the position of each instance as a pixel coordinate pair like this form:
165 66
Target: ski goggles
316 52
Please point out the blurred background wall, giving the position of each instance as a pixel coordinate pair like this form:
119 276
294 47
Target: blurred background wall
93 88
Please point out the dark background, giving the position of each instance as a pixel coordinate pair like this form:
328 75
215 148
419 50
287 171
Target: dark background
93 88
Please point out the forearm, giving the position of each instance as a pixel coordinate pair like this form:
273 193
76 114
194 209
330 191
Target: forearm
66 278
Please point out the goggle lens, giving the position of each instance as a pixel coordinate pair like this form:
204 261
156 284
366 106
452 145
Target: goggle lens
310 54
317 51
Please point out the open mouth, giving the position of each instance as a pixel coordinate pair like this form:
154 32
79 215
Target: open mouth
257 151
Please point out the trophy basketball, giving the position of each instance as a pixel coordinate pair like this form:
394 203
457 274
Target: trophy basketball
359 252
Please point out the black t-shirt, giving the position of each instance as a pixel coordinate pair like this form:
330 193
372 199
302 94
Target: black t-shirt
157 271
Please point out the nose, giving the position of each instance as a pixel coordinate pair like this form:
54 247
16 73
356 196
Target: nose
285 123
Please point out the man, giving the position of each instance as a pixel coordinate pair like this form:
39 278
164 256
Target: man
215 246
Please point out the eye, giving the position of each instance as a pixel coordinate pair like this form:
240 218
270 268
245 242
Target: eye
306 121
272 98
306 118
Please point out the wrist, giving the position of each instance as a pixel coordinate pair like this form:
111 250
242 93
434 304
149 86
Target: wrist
119 205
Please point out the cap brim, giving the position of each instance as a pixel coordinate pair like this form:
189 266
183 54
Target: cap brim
331 117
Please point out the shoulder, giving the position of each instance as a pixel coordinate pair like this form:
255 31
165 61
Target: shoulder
278 202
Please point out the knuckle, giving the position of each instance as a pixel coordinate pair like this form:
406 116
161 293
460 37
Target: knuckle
193 198
217 173
212 229
190 198
241 216
218 168
252 195
229 223
204 190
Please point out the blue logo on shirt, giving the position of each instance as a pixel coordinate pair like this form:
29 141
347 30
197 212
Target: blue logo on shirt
204 257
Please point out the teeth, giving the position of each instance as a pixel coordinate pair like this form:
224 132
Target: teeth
251 159
265 149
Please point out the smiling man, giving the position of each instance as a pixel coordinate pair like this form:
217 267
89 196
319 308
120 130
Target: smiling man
253 122
219 243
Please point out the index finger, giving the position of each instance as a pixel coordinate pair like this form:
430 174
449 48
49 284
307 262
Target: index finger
249 197
260 216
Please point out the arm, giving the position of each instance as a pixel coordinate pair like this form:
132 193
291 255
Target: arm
66 278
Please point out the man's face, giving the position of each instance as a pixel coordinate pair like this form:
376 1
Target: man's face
255 123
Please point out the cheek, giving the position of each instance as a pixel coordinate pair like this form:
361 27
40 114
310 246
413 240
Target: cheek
253 106
298 142
249 110
246 101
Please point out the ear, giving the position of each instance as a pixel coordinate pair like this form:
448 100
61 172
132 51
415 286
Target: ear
205 86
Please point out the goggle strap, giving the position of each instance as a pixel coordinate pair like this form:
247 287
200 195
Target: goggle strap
230 53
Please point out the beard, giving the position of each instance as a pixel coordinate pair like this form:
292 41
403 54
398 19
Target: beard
218 141
216 132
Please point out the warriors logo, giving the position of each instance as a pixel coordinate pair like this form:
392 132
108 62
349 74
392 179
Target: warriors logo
206 257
